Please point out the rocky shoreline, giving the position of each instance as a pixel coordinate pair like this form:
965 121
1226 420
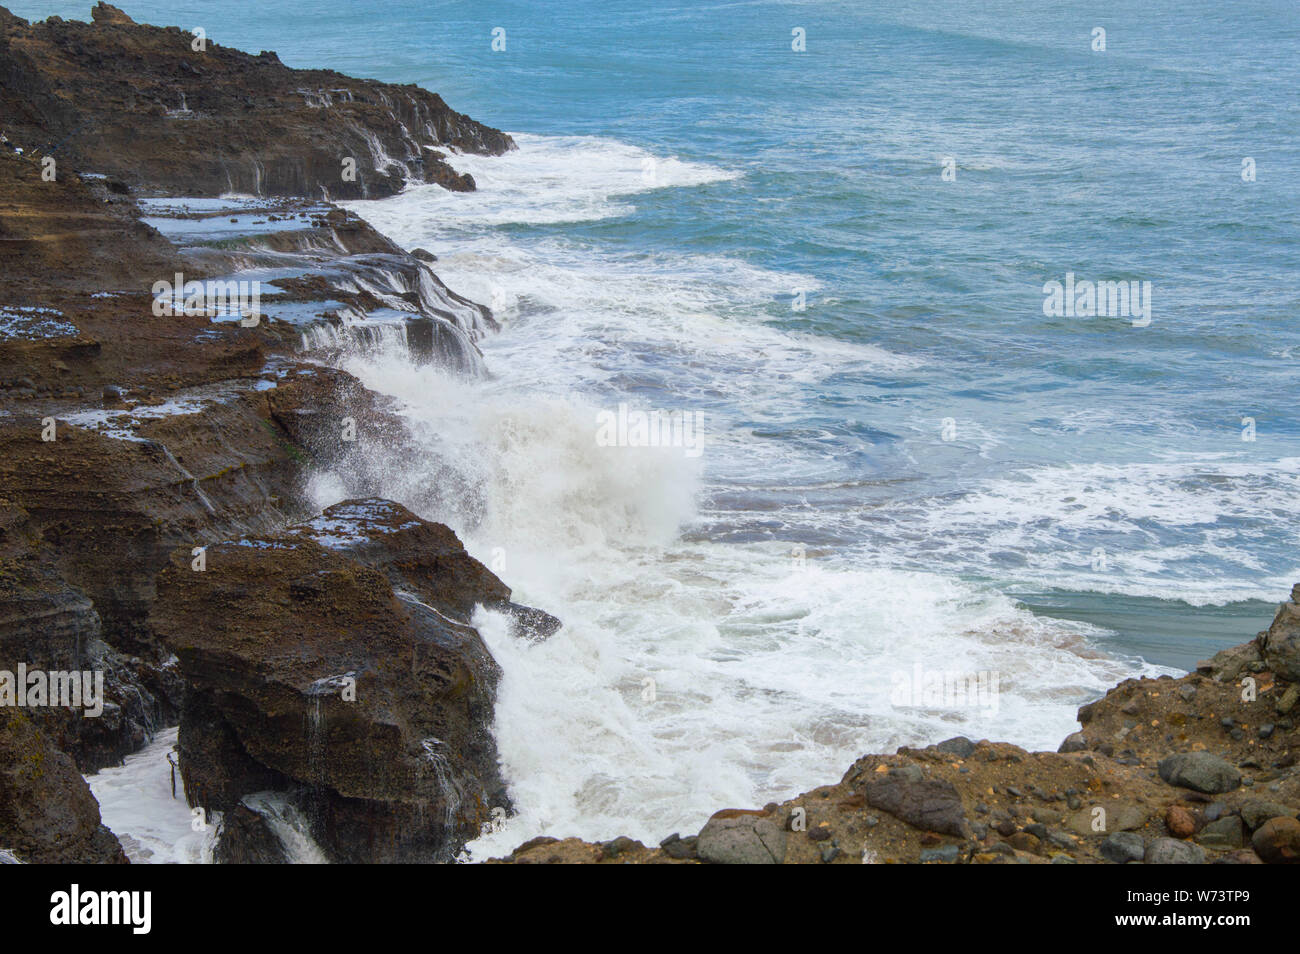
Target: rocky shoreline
157 524
1196 770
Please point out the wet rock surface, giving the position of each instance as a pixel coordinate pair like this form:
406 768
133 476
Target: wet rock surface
130 437
309 674
125 99
47 814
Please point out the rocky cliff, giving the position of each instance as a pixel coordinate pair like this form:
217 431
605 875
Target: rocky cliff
167 110
155 524
137 440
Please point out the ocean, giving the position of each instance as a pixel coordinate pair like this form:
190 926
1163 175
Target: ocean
836 265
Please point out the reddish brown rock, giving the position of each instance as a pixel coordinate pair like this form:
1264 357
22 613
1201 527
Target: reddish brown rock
309 675
1179 821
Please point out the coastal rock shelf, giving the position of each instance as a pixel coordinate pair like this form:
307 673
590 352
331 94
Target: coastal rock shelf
138 437
130 101
331 697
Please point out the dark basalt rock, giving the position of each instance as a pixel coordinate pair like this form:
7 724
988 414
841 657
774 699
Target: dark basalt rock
47 814
125 99
309 674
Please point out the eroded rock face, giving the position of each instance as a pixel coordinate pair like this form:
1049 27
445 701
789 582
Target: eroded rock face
1281 644
424 560
125 99
47 814
310 675
125 436
48 625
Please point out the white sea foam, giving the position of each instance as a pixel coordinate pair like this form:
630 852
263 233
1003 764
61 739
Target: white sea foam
548 179
136 804
767 677
1161 522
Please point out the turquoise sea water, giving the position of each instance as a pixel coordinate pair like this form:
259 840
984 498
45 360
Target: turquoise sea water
919 430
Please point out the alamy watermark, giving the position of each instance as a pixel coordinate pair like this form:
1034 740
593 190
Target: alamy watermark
36 688
921 688
627 427
220 299
1107 299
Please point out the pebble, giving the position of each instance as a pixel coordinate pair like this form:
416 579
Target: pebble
1179 821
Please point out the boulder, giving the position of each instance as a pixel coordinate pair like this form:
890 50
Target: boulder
1201 772
738 837
1074 742
1224 833
310 675
1171 851
1256 811
928 804
1123 847
1277 841
959 746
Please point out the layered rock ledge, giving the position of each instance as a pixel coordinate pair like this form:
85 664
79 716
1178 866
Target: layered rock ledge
163 109
133 438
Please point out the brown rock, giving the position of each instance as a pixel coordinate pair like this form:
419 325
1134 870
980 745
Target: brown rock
1179 821
47 814
1277 841
928 804
149 97
307 674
